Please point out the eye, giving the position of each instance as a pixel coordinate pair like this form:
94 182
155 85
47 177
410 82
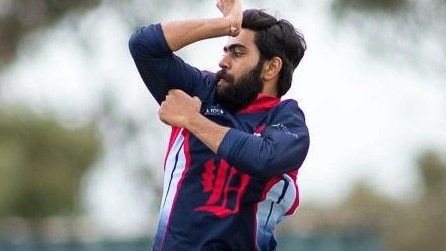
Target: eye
237 54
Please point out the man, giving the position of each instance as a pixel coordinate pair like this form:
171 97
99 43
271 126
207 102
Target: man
235 148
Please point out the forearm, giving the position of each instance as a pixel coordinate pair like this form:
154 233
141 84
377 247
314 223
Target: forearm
179 34
208 132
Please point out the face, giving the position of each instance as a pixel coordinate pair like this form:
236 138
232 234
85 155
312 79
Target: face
239 81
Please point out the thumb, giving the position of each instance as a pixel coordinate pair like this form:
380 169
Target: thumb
197 102
219 5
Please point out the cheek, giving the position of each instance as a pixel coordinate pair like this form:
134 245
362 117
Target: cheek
242 70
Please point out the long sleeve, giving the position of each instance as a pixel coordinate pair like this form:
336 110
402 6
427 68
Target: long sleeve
282 147
160 69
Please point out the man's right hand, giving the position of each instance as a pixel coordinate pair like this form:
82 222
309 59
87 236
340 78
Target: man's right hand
233 12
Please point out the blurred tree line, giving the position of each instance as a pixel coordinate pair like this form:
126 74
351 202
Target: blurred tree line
408 32
22 18
41 165
406 224
409 224
42 161
411 33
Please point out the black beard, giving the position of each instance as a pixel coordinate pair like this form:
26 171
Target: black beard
239 94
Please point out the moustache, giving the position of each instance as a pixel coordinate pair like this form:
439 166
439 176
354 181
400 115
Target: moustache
222 74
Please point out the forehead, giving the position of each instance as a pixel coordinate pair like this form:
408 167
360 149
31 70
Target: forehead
245 39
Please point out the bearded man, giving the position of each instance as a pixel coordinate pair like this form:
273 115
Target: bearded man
230 173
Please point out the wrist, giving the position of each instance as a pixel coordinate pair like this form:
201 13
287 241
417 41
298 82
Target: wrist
232 29
192 120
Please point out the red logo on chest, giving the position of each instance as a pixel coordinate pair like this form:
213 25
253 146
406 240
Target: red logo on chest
226 186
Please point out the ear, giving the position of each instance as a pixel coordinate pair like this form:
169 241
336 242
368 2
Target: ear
272 68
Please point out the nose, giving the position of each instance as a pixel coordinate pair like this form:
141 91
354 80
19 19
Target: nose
225 62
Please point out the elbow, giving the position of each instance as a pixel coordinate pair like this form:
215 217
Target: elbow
135 43
148 43
145 43
301 151
132 42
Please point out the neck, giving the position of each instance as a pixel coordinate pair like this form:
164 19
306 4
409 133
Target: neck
269 88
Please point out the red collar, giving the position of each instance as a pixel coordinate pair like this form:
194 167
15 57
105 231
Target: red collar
263 102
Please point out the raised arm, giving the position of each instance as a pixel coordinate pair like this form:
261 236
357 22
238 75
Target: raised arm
151 48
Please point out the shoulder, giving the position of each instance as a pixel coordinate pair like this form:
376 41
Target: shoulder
289 110
288 105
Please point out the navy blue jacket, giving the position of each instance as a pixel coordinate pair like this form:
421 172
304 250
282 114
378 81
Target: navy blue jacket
234 199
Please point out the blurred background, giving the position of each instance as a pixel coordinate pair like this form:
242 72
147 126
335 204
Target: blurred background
81 147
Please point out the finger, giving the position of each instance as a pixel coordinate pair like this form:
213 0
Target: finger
219 5
162 108
197 99
160 114
173 91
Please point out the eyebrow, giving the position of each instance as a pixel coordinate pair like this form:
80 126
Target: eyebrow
233 47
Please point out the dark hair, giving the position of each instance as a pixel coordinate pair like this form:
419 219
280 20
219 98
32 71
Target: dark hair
276 38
